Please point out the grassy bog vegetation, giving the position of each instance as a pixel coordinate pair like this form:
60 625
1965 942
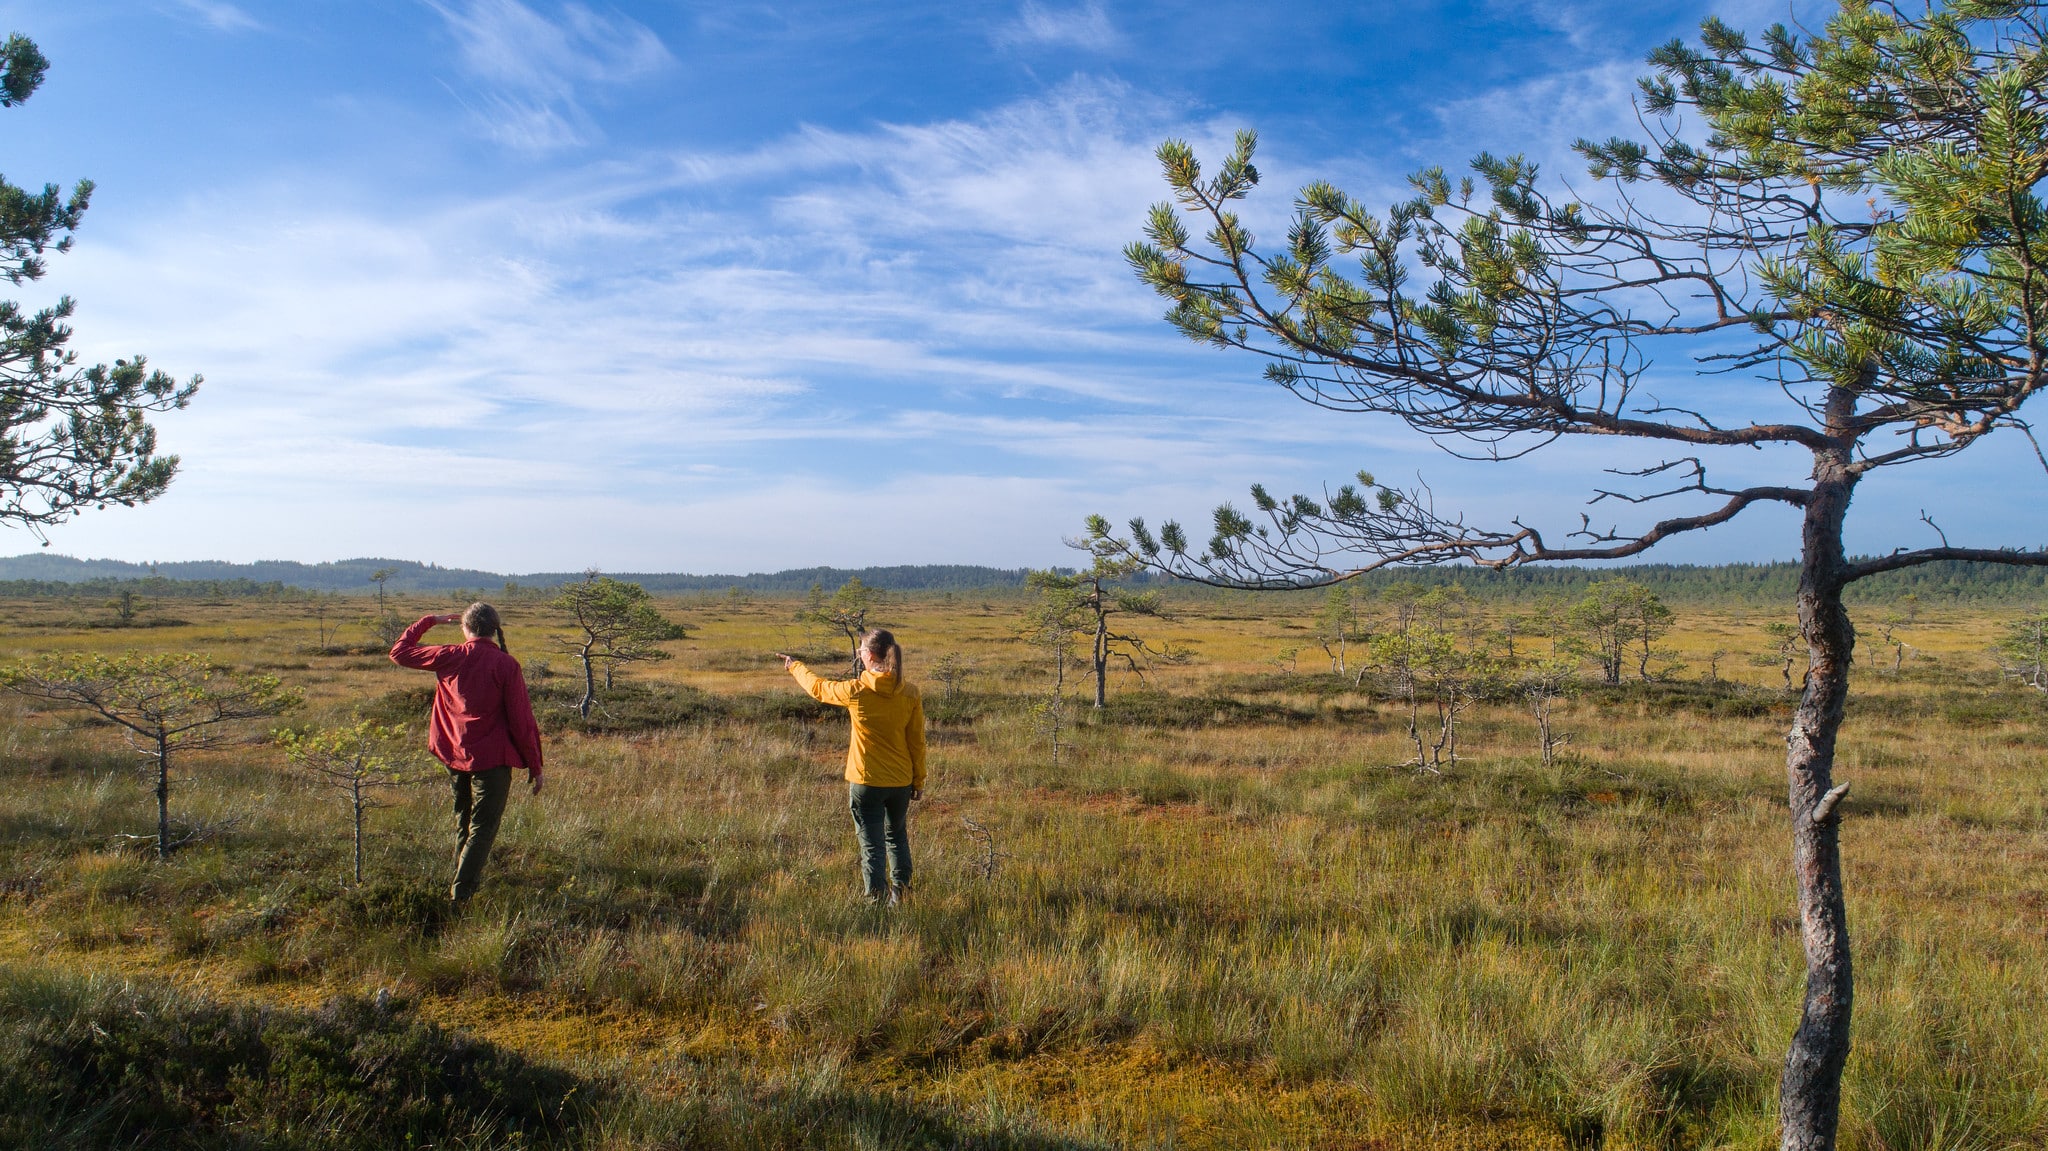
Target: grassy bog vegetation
1231 917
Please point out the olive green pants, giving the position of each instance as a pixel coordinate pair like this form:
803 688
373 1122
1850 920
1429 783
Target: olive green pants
479 806
881 825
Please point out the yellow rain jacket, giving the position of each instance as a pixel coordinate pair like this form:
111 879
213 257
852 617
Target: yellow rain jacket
888 725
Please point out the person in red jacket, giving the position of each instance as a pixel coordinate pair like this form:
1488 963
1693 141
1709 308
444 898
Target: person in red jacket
481 728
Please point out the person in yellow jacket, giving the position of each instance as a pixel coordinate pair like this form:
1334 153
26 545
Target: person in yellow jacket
885 762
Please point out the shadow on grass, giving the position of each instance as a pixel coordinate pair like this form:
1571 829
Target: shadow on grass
87 1064
801 1118
25 828
96 1063
1715 699
628 707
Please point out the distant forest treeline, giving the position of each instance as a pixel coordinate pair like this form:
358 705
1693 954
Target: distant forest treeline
1760 583
38 575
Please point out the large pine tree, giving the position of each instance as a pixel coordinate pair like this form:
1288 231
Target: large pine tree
1857 229
71 437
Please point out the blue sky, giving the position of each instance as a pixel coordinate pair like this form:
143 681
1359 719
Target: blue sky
525 285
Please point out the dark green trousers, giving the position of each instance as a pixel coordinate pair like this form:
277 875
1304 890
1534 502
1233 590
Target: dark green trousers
479 806
881 816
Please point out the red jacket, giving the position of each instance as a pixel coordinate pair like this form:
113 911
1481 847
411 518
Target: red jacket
482 718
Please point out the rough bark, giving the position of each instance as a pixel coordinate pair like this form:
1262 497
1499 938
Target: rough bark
589 683
1809 1094
1101 662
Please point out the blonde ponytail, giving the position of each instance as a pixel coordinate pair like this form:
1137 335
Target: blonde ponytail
880 646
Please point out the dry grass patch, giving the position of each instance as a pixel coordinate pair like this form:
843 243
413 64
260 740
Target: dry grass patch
1225 922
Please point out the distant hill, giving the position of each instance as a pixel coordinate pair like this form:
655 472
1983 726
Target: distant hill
352 576
1755 583
918 577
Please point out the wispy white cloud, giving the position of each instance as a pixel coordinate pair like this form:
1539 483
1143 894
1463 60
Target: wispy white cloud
530 70
1086 27
673 359
217 14
946 296
1581 23
1589 27
506 43
1542 116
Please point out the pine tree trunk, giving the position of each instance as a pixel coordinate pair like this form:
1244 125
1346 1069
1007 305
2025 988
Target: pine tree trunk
163 795
358 807
1101 662
1446 746
1415 725
589 686
1810 1093
1058 703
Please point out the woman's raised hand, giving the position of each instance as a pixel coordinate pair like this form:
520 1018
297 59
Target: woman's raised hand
449 617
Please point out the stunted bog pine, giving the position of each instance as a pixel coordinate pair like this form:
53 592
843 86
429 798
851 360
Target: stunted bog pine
846 613
167 703
359 761
616 623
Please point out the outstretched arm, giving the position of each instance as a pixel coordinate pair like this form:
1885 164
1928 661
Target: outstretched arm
837 692
410 652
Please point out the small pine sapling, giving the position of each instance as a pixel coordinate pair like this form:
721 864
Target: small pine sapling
951 672
989 858
359 761
2023 650
1053 624
1543 683
1888 630
1336 627
1428 656
1782 651
165 704
126 606
1099 592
